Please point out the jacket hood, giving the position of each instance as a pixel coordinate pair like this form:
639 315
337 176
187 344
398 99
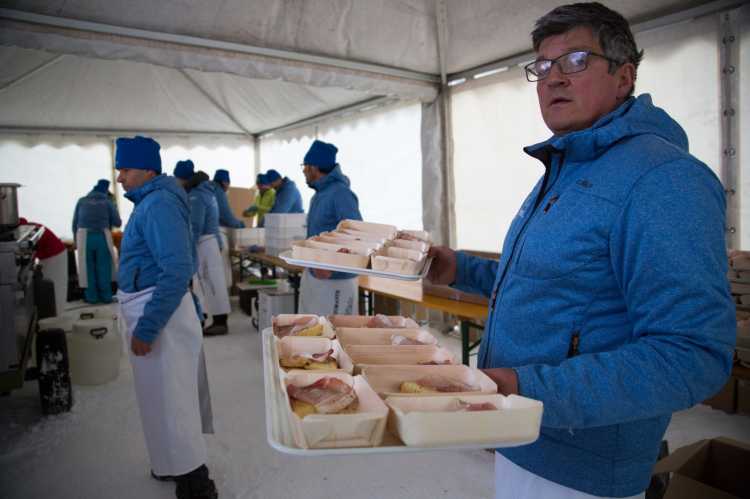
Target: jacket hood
636 116
334 175
161 182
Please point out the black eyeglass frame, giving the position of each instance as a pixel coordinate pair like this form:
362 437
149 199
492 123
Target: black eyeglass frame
528 67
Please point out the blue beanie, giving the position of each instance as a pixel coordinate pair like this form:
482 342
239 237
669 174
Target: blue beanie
102 186
262 179
140 153
272 176
184 169
221 176
322 155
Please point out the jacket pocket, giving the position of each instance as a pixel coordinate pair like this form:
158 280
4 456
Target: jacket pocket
566 236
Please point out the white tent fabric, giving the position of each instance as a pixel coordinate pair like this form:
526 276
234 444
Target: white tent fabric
495 117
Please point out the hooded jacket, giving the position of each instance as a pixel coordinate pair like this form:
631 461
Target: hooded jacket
226 217
333 202
611 300
287 199
204 216
95 211
157 249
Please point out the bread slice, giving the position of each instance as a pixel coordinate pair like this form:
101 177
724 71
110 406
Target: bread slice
316 330
302 409
329 364
413 387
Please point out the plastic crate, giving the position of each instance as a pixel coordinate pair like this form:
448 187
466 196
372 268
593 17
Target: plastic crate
281 242
285 220
279 232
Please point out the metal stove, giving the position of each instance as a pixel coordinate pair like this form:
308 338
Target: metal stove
17 313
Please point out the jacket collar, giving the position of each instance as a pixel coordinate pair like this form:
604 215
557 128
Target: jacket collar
335 175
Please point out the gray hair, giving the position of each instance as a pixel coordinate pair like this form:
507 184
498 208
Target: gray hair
609 28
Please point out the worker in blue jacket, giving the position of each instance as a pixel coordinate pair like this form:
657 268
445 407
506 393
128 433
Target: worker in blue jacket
95 213
332 293
157 260
227 220
611 302
287 198
209 283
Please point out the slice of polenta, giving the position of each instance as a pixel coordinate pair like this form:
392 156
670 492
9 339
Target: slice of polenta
413 387
316 330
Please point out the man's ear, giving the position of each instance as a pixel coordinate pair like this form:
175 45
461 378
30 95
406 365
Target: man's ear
626 77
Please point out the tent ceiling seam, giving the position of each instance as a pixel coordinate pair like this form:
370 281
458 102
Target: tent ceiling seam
117 133
193 41
214 102
31 72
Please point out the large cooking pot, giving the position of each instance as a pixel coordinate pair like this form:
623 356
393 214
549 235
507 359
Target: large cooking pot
9 205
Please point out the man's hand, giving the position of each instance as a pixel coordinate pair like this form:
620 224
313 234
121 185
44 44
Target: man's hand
505 378
322 274
140 348
443 267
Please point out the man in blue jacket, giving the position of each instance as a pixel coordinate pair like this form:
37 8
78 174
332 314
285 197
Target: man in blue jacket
287 198
95 213
324 291
209 283
227 220
157 260
611 303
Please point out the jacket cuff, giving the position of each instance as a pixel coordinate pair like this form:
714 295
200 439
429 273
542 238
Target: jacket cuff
143 336
460 271
526 386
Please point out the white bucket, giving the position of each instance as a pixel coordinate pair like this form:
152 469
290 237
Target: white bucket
94 351
103 312
61 322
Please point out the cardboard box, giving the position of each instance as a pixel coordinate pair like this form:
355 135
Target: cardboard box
725 399
709 469
241 199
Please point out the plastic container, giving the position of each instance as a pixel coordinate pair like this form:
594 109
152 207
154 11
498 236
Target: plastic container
281 242
285 220
60 322
94 350
281 232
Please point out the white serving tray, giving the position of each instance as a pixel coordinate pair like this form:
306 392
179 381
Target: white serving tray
279 430
287 257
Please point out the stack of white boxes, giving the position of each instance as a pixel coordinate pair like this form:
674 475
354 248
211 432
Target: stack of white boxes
272 302
282 229
242 238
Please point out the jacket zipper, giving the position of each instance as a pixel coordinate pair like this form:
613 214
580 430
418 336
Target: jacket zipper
135 281
549 205
573 349
543 191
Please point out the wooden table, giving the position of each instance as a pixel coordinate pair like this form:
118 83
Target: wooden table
270 262
740 372
411 291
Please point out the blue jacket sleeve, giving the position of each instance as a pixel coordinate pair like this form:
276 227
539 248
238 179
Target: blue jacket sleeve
475 275
174 259
346 206
197 218
114 217
668 256
226 217
284 201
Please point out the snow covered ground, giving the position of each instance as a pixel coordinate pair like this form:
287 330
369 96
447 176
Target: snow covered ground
97 449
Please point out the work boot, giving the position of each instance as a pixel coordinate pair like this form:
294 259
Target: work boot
162 478
218 327
196 485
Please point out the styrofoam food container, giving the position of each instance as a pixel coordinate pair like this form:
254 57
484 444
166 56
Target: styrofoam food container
280 232
361 336
346 242
354 235
429 422
397 355
338 321
289 345
422 235
385 380
286 319
364 428
285 220
367 227
413 245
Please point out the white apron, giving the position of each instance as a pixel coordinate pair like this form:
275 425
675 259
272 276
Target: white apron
514 482
208 283
328 296
83 280
165 386
226 258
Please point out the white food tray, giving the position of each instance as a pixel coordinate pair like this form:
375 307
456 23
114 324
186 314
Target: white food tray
279 429
287 257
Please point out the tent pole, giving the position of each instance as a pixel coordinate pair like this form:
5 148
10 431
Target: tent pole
450 236
729 45
115 185
256 151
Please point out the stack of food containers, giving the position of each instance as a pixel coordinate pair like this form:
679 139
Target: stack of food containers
243 238
272 302
384 372
282 229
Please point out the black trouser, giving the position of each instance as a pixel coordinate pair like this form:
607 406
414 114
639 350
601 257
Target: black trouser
195 485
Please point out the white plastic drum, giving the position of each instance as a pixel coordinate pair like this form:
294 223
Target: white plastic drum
103 312
60 322
94 351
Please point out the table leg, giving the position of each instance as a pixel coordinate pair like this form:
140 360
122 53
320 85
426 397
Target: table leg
465 342
295 278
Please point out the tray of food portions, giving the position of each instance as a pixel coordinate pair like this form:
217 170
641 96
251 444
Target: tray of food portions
366 385
365 248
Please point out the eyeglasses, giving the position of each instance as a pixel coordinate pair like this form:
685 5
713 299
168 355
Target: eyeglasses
303 166
574 62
